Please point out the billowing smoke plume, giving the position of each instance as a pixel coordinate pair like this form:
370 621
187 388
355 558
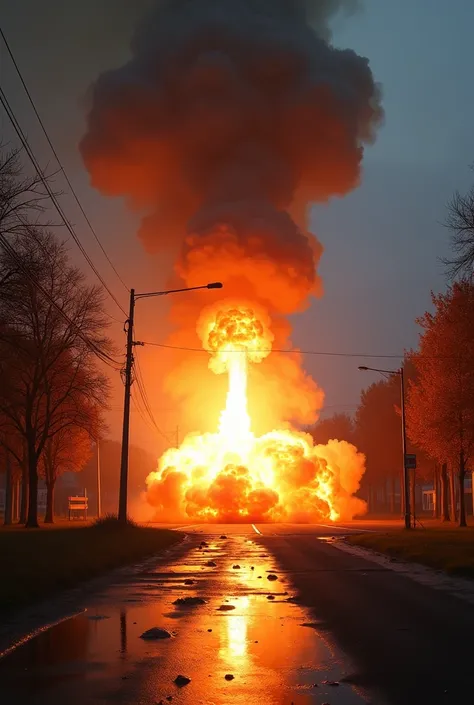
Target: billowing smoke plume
232 115
231 118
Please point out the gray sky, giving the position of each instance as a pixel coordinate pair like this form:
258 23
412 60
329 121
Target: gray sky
382 242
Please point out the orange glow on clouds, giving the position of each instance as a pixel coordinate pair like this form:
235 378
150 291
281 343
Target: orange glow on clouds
224 136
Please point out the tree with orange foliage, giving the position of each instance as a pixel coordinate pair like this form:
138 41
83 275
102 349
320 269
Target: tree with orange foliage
338 426
440 405
378 436
66 451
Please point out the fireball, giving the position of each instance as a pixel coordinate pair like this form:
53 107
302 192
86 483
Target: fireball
228 123
232 475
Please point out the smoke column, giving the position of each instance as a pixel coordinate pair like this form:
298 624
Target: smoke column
231 118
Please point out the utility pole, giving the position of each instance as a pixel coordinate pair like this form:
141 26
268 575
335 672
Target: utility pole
122 512
406 474
123 490
99 499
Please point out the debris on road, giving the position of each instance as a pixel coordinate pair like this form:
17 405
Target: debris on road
272 576
229 677
189 601
252 567
236 567
156 633
226 608
331 683
181 681
211 564
270 597
223 536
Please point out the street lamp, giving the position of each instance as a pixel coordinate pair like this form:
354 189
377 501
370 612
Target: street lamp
122 510
406 478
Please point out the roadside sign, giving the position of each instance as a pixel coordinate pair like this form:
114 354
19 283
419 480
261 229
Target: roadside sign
410 461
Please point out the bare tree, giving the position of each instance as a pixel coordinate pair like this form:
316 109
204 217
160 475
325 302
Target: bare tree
52 329
12 461
460 222
22 198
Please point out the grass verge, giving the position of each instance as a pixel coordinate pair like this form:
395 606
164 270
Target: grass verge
451 550
37 563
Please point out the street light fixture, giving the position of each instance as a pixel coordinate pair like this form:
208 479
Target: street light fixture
123 490
406 477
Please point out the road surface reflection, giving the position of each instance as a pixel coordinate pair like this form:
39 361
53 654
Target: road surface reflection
248 643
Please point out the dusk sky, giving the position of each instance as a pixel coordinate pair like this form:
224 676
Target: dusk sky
382 242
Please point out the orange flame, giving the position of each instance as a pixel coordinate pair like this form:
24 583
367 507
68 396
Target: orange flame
232 475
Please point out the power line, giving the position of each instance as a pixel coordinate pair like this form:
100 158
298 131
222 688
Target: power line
103 356
287 351
52 196
144 397
138 409
58 159
298 351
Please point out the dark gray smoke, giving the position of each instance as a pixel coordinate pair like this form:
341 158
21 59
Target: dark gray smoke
232 117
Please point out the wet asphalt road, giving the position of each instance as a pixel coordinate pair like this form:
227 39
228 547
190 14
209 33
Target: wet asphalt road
333 628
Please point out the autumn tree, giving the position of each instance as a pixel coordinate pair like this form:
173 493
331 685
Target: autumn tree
378 435
337 426
440 408
52 334
68 450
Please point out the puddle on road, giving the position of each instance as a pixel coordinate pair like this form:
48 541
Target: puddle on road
98 657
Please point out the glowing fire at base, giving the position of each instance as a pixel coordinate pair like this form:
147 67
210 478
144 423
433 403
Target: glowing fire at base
233 475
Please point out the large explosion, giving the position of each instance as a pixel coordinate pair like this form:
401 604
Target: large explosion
231 118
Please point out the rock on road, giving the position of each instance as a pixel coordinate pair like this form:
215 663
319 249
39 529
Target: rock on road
333 628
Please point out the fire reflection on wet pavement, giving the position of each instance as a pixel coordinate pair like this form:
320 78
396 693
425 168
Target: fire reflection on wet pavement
272 647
